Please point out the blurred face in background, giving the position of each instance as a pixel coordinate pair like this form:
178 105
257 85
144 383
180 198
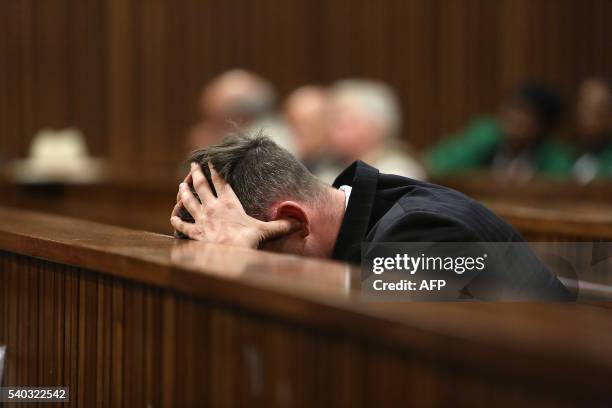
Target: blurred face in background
519 124
223 98
236 96
307 112
594 111
217 108
353 132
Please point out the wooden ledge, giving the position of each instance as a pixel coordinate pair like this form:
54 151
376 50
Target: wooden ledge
159 259
543 339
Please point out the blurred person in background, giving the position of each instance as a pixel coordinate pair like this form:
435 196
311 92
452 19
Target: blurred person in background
307 114
365 124
515 144
594 131
236 98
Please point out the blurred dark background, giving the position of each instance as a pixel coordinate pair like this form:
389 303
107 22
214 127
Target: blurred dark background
128 72
98 97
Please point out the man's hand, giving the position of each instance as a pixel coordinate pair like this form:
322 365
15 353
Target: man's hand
221 219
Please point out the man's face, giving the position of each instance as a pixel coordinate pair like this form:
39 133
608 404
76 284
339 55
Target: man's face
285 245
519 125
220 98
308 116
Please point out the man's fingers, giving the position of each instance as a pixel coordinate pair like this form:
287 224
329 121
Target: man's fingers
228 192
179 225
221 185
279 228
188 176
190 202
187 180
217 180
177 207
200 184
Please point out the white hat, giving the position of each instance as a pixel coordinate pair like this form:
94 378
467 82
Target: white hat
57 156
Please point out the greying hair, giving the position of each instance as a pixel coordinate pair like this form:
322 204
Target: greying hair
260 172
375 99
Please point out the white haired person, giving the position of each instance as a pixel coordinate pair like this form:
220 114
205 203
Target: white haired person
365 124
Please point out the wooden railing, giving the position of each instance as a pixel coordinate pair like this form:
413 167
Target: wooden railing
544 209
555 221
144 205
541 211
538 190
135 319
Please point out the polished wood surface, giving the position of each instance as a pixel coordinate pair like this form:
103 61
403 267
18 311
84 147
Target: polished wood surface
127 318
158 259
128 72
540 211
542 190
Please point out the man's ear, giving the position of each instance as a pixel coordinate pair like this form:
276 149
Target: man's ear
295 212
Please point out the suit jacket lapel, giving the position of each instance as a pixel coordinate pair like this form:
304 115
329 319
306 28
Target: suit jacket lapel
363 178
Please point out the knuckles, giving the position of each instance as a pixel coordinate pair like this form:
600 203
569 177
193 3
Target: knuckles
185 195
198 183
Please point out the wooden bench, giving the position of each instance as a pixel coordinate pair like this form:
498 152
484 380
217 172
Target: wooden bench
129 318
538 190
147 206
544 209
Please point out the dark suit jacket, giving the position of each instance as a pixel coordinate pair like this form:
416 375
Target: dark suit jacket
390 208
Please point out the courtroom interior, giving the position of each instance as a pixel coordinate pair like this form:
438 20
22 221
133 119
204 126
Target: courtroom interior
305 203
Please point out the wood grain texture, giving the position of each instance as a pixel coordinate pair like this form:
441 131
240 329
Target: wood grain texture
128 72
112 314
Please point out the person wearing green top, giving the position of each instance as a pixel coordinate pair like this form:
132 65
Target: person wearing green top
515 144
594 126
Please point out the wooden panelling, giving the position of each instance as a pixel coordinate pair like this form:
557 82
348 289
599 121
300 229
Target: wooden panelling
123 344
539 190
112 314
117 204
128 72
542 209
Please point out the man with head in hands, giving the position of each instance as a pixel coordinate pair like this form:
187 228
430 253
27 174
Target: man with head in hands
247 191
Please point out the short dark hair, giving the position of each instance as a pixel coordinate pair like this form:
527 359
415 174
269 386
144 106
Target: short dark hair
260 172
544 101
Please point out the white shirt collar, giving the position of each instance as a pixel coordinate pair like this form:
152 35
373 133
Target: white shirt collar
347 193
